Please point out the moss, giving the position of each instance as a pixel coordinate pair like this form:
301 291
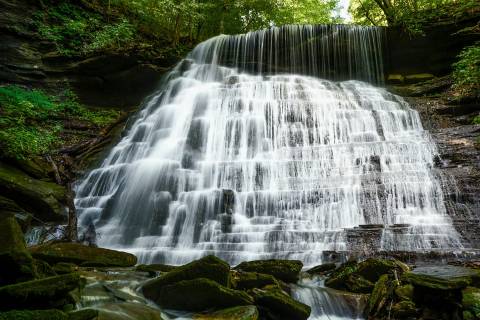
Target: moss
44 293
372 269
322 269
65 267
436 283
153 269
209 267
379 296
471 300
285 270
250 280
80 254
33 315
404 309
420 77
395 78
404 292
235 313
467 315
200 294
278 305
85 314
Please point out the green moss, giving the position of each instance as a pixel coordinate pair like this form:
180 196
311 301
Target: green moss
44 293
85 314
436 283
200 294
235 313
65 267
279 305
250 280
471 300
153 269
33 315
209 267
379 296
322 269
404 292
285 270
404 309
372 269
79 254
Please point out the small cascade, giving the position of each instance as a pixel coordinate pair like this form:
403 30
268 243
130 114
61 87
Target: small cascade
249 152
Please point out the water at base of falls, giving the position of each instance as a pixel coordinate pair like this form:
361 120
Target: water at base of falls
267 165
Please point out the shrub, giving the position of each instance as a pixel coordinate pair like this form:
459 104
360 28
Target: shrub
466 72
112 37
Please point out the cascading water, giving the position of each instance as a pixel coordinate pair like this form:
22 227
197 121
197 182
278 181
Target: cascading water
246 153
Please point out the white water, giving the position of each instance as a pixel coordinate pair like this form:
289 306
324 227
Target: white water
263 164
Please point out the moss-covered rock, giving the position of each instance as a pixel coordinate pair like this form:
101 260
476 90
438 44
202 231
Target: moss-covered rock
404 292
249 280
128 311
322 269
50 292
285 270
65 267
34 315
471 301
80 254
199 295
235 313
43 199
85 314
16 264
209 267
404 309
372 269
442 278
154 269
419 77
276 304
379 296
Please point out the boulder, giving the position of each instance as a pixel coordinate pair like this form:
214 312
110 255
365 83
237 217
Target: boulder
50 292
154 269
404 309
65 267
285 270
43 199
235 313
84 314
404 292
34 315
209 267
379 296
128 311
276 304
16 263
322 269
250 280
442 278
471 301
199 295
372 269
81 254
419 77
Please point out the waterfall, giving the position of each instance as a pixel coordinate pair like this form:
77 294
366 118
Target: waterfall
249 152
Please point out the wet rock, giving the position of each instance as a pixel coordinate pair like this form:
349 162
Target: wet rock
128 311
276 304
209 267
419 77
442 277
65 267
80 254
285 270
379 296
322 269
250 280
235 313
404 309
50 292
85 314
16 263
200 294
471 301
404 292
154 269
34 315
43 199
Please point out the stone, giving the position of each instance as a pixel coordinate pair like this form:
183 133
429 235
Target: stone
250 280
322 269
127 311
395 79
43 199
442 277
276 304
471 300
404 309
49 292
420 77
81 254
34 315
371 269
209 267
235 313
285 270
154 269
65 267
84 314
199 295
16 263
379 296
404 292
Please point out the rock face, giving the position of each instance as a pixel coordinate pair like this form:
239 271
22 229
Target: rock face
285 270
82 255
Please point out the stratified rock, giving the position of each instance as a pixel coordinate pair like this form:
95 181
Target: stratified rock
322 269
199 295
235 313
43 199
39 294
209 267
16 264
285 270
471 301
442 277
80 254
250 280
34 315
276 304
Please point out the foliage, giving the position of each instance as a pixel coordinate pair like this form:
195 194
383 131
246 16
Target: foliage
476 120
466 71
112 36
31 120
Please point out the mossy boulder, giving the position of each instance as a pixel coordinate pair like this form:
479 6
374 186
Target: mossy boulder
209 267
81 254
404 292
379 296
128 311
16 263
443 278
43 199
154 269
235 313
249 280
285 270
404 309
322 269
471 301
50 292
34 315
419 77
85 314
276 304
65 267
373 269
199 295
